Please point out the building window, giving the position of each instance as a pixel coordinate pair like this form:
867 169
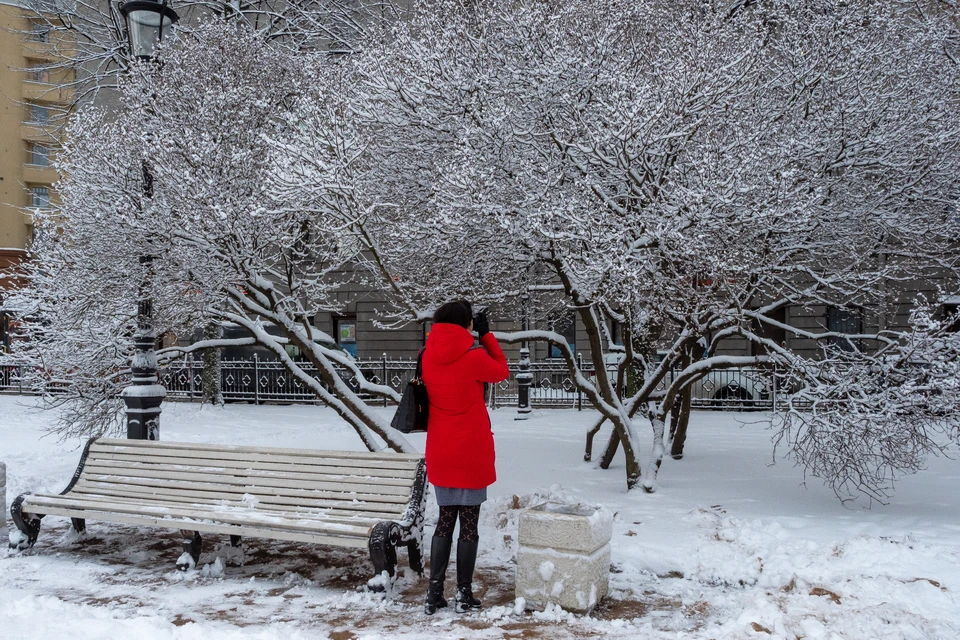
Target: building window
39 155
39 74
567 327
345 329
39 32
39 115
845 321
40 197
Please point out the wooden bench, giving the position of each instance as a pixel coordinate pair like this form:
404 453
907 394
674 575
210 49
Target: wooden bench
340 498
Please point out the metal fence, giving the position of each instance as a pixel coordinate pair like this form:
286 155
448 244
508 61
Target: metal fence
261 381
269 381
10 379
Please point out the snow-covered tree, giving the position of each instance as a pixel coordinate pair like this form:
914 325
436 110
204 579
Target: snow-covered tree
183 174
88 40
686 169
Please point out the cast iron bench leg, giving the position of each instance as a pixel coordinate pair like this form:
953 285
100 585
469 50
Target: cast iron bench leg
192 543
415 554
28 524
383 551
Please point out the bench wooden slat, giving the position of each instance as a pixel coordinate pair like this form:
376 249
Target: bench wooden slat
98 463
77 507
229 488
102 472
342 509
379 509
396 475
297 513
209 527
267 456
315 453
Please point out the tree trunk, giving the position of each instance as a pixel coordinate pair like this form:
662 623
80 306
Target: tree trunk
611 450
679 427
588 450
631 461
656 457
680 416
630 457
674 417
212 393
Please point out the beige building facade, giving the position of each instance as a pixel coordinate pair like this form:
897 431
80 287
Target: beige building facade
33 103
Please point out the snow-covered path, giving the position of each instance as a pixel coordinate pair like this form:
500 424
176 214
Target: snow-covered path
730 547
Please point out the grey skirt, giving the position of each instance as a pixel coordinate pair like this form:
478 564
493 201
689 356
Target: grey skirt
448 497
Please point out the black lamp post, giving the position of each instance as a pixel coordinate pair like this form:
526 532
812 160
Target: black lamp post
524 376
148 23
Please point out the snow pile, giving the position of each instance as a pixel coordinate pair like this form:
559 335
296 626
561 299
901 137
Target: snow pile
213 569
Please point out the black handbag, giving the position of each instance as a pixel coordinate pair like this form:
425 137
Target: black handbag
413 411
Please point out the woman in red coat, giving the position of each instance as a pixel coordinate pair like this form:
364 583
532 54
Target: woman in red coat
460 454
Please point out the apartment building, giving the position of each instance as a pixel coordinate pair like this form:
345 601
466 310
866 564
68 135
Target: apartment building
33 103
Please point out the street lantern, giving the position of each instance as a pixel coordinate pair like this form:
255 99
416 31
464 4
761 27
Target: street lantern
148 23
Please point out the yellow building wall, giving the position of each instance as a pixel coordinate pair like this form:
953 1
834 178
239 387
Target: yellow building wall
19 90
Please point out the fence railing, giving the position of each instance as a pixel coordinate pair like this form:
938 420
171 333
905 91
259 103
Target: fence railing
552 387
269 381
11 380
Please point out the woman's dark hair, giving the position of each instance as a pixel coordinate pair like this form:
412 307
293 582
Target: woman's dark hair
456 312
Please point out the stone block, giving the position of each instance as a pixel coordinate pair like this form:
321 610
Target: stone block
577 528
564 556
574 581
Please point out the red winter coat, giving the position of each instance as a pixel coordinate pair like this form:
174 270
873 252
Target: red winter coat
460 450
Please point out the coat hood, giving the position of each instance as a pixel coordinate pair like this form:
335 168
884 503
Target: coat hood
447 342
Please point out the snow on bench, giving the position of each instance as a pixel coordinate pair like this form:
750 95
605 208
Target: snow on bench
339 498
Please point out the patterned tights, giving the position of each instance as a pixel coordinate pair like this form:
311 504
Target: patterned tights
469 522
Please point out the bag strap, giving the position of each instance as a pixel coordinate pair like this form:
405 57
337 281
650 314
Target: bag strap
418 373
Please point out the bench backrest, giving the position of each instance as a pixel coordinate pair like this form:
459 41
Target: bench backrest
346 484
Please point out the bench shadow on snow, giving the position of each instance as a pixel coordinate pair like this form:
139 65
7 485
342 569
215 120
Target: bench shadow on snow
273 581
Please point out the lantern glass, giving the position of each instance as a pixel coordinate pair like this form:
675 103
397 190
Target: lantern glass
148 23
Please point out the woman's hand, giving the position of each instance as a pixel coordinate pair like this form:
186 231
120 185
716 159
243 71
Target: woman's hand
480 324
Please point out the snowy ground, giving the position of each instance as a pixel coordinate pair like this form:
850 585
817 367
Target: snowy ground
731 547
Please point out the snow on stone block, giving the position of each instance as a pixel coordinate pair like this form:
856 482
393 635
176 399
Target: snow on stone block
564 557
577 582
579 528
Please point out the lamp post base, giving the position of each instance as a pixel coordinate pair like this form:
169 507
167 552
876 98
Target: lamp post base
143 410
524 381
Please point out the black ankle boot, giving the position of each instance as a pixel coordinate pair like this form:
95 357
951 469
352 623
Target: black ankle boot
439 559
466 561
